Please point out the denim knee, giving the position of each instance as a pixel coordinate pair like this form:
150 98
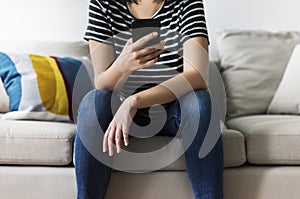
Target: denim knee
196 102
204 101
96 97
94 116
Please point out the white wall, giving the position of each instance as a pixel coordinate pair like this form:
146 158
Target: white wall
274 15
66 19
43 19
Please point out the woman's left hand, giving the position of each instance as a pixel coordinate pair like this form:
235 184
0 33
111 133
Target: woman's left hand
119 127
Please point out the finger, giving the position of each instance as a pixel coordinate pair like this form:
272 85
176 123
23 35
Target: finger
160 45
144 52
152 49
151 56
111 139
118 138
150 63
126 137
129 42
105 139
142 41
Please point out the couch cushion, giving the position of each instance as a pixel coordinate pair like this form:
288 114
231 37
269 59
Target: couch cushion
270 139
252 65
36 143
51 143
234 148
41 87
77 49
233 141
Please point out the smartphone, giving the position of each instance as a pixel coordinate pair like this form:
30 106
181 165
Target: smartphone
142 27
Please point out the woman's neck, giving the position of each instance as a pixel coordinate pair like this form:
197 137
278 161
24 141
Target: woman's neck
145 8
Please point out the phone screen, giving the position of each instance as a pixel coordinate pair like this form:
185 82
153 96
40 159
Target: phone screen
142 27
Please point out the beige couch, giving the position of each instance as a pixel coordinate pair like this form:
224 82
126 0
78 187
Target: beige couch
262 151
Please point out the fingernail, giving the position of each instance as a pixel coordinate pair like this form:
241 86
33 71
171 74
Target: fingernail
154 33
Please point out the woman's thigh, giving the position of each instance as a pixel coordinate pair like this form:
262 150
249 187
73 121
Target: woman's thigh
187 109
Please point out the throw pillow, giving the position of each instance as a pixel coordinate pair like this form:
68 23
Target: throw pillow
252 65
39 87
3 99
287 97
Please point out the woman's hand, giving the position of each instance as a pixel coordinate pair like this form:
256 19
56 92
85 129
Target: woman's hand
134 56
119 127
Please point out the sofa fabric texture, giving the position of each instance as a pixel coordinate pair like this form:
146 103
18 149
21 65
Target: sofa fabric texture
270 139
36 142
51 143
247 182
252 65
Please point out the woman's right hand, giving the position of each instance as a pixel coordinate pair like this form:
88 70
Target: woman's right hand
134 56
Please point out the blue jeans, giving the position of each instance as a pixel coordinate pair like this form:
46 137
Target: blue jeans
205 174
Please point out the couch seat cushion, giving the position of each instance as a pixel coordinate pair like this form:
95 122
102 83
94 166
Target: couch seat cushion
51 143
36 143
233 141
234 148
270 139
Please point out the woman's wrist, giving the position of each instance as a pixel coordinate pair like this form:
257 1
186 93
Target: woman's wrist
119 66
133 102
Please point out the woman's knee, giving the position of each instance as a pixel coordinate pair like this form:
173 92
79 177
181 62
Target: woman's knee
204 100
95 99
197 101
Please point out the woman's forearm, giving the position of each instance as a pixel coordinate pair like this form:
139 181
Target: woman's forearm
111 73
169 90
195 76
111 79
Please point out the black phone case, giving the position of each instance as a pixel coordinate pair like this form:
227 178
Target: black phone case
142 27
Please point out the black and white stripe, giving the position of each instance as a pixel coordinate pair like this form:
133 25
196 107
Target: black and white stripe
110 22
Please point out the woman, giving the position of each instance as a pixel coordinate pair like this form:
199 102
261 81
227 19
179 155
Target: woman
138 78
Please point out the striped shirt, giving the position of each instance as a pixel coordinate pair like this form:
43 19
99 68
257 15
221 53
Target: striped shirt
110 23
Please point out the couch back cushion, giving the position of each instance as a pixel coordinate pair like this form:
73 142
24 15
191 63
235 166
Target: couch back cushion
252 65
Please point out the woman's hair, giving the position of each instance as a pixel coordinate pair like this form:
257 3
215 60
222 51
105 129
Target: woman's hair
137 1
